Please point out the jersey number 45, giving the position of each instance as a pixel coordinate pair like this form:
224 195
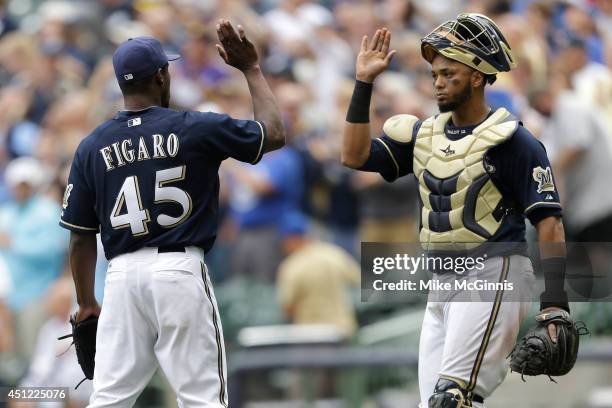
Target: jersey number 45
136 217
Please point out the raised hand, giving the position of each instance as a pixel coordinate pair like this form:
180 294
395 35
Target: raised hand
235 49
374 57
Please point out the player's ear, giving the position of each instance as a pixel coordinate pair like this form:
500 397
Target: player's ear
478 79
159 77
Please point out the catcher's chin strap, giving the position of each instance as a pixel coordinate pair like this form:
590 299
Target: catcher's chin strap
65 351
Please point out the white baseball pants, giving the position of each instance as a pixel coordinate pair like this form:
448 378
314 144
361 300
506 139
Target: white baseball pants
159 310
468 341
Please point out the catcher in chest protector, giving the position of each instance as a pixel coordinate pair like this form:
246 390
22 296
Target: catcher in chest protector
480 174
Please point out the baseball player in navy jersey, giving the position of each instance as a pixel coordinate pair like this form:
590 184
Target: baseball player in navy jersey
147 181
480 174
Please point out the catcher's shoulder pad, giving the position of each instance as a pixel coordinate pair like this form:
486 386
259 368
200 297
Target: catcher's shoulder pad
400 127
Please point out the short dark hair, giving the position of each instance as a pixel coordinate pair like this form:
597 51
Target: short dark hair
140 85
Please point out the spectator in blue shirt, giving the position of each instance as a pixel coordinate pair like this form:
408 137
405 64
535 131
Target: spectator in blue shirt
259 196
32 245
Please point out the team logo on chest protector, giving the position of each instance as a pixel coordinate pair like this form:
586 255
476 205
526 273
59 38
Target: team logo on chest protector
448 151
544 179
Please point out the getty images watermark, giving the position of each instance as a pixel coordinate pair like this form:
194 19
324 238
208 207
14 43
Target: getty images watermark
407 272
404 264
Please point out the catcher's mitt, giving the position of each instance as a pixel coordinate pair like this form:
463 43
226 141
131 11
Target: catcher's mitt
84 340
536 354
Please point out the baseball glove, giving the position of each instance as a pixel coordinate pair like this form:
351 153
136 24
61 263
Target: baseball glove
84 340
536 354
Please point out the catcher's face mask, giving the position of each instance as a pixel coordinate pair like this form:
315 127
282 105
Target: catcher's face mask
472 39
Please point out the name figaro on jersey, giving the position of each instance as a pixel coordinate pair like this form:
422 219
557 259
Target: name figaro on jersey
124 152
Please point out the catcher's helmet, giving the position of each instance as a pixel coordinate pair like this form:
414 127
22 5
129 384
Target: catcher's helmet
472 39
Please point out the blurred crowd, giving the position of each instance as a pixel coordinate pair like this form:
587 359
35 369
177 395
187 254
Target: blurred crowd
299 203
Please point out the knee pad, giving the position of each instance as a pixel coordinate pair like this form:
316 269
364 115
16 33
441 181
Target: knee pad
449 394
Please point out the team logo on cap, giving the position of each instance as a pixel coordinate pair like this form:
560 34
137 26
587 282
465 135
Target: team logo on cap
128 77
544 179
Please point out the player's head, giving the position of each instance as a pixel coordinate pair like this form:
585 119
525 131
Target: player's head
466 53
141 67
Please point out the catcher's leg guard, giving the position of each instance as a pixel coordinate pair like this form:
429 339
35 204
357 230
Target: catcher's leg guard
450 394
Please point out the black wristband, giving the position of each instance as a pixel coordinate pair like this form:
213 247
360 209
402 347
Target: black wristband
359 109
554 282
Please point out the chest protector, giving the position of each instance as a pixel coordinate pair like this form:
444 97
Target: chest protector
459 200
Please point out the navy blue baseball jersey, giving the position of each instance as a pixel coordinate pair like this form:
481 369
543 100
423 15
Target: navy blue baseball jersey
150 177
512 163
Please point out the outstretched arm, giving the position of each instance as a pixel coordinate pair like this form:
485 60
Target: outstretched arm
374 57
237 51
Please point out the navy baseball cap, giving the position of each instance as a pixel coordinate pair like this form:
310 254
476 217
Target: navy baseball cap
139 58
